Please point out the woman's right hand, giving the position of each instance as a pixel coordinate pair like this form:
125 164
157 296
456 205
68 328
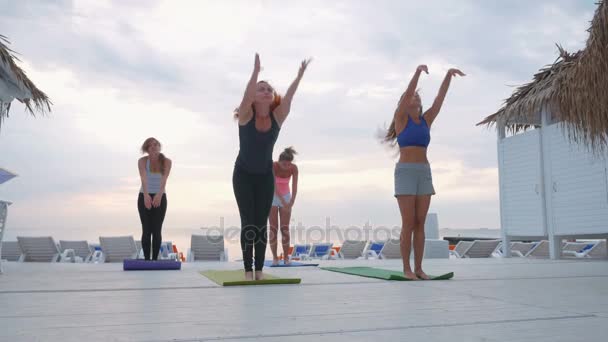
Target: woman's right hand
148 201
422 67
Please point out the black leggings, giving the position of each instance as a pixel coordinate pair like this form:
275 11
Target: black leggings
253 194
151 225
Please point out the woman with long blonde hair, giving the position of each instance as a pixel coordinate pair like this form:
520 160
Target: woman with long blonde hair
154 171
410 129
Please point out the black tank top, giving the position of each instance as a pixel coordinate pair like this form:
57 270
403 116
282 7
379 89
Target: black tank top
255 147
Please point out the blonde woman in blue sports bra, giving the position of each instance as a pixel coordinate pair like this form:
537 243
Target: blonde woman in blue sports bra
410 129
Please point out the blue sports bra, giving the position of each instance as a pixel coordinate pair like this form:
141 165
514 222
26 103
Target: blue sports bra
415 134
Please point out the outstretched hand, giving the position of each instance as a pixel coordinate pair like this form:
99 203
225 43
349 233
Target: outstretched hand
256 65
455 72
303 67
423 67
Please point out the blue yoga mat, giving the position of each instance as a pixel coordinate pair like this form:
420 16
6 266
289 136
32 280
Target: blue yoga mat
150 265
268 263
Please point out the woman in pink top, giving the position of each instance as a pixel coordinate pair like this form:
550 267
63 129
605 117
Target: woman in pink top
282 202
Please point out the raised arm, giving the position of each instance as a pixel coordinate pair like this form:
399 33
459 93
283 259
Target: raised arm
433 111
245 112
407 96
283 109
411 88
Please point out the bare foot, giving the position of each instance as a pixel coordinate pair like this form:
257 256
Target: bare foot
249 275
421 275
286 261
275 261
259 275
410 275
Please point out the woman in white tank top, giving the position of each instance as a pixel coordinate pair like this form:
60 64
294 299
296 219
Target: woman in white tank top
152 201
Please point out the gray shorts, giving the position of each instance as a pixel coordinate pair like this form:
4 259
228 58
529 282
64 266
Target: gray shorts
413 179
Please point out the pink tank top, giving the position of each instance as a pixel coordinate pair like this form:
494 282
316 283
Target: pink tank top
282 185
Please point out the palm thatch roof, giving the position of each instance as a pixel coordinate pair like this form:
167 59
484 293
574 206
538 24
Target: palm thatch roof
14 84
573 89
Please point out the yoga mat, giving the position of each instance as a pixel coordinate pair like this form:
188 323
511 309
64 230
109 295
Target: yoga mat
268 263
379 273
150 265
237 277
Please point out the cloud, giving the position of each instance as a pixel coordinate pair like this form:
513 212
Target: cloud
119 72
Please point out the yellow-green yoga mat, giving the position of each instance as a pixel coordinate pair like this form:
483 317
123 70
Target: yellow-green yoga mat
237 277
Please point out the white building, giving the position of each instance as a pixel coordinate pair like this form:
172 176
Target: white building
552 148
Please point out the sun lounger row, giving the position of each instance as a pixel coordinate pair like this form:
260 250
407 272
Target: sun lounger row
203 248
356 249
211 248
110 249
538 249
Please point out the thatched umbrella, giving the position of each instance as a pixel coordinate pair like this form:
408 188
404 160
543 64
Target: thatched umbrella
573 89
14 84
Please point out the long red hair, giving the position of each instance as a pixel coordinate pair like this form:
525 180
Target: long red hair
275 102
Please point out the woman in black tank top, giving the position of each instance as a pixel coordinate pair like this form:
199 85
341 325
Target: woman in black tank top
260 116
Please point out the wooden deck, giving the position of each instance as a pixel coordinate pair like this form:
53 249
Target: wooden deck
488 300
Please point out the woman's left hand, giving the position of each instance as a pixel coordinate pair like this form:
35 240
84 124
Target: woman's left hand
303 67
454 72
156 201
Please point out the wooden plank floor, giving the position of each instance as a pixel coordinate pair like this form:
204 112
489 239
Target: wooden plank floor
489 300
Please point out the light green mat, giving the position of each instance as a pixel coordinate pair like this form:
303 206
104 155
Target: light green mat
379 273
237 277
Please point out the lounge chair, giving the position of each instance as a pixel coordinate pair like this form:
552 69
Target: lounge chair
321 250
391 249
11 251
207 248
117 248
352 249
75 251
299 250
39 249
595 249
475 249
373 249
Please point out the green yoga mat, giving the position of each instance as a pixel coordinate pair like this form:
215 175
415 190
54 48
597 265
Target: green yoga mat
379 273
237 277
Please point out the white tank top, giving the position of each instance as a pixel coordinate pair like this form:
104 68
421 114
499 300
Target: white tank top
153 178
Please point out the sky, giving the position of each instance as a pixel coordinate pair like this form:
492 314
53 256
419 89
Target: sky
120 71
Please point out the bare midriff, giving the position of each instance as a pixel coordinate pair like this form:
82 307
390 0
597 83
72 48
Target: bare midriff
413 154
